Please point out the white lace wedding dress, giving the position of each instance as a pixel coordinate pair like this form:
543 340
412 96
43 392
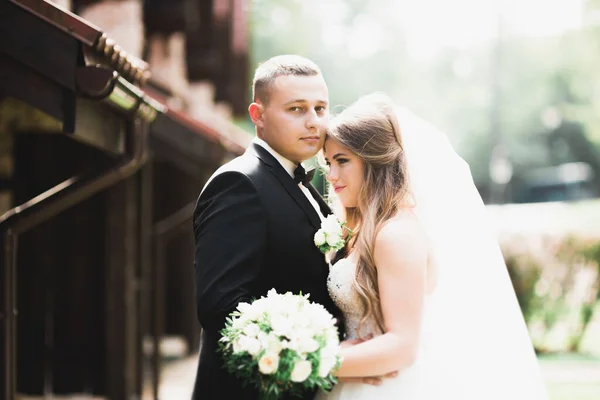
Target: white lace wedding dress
439 372
408 385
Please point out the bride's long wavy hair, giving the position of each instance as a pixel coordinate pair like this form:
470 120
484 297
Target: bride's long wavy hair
369 128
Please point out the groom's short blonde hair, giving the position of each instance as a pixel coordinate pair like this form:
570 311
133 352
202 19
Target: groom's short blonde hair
288 64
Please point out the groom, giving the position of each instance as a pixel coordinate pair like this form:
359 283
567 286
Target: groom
255 219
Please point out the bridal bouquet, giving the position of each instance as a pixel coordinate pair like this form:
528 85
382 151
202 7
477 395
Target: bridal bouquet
281 343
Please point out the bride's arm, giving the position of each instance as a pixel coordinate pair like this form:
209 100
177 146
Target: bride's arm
401 260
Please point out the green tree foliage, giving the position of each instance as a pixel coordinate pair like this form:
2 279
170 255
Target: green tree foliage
506 89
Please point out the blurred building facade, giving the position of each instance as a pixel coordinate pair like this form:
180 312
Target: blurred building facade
560 164
112 116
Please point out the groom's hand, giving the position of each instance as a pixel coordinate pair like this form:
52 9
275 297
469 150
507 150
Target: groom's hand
369 380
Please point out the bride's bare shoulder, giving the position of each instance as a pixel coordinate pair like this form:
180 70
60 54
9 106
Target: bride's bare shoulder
403 223
402 237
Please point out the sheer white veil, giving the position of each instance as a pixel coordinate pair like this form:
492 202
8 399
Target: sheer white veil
477 345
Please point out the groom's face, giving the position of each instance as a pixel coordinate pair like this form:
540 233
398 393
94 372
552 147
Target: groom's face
294 118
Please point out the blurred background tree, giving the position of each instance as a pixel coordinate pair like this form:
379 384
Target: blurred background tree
499 77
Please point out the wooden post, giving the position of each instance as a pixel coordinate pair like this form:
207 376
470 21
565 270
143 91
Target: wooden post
121 306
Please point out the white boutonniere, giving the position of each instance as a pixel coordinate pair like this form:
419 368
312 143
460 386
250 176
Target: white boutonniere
330 237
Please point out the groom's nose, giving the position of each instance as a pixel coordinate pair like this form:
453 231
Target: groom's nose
312 121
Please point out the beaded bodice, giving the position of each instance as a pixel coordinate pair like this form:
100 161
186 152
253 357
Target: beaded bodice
342 291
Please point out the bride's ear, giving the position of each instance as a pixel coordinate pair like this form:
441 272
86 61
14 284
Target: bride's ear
255 110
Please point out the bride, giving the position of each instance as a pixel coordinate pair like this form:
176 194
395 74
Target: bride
422 274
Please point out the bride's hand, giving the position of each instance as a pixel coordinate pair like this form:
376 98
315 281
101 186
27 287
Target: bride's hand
350 343
369 380
354 342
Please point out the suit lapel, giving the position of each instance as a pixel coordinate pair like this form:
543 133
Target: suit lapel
288 183
325 210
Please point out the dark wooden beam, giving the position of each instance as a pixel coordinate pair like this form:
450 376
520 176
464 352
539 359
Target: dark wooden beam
217 50
37 63
165 16
203 61
38 91
121 306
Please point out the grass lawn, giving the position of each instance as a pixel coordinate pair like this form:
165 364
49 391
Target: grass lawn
574 391
571 376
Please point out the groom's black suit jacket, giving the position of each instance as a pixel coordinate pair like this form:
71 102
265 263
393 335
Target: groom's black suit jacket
254 231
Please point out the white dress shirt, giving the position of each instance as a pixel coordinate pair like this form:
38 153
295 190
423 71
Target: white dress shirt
289 167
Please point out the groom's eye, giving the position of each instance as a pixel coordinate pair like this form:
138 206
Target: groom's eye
321 109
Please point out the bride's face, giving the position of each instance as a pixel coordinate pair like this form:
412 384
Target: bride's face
345 172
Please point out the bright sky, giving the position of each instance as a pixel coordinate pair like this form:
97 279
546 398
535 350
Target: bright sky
466 23
432 24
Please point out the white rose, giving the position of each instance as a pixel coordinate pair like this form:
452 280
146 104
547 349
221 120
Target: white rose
236 347
260 306
333 239
281 325
320 319
301 371
238 323
320 237
251 330
243 307
332 335
250 312
254 347
274 307
309 345
331 349
325 365
263 336
303 342
331 225
302 320
268 364
290 303
274 346
270 342
251 345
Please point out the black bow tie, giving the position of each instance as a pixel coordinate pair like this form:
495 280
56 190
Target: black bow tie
300 175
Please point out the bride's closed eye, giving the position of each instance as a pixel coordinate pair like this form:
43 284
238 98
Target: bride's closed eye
338 160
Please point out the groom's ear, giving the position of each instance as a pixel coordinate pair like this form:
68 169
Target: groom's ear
256 114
